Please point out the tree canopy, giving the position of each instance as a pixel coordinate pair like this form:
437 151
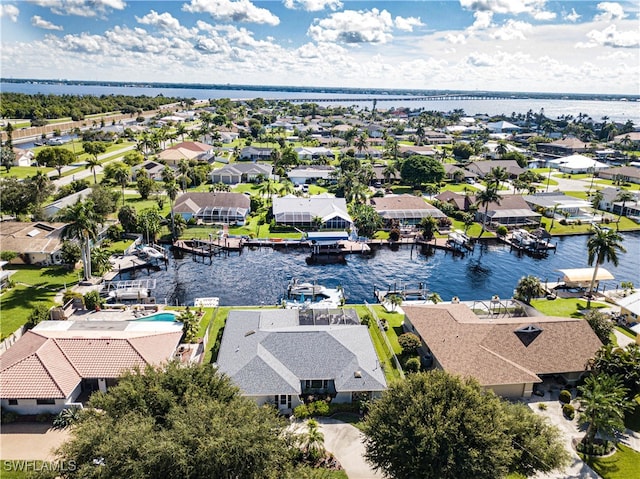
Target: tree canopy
176 422
418 169
435 425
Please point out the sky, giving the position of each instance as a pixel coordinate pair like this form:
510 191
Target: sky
495 45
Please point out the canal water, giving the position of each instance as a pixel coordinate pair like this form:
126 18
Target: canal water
260 276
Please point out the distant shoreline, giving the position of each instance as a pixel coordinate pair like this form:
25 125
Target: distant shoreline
336 90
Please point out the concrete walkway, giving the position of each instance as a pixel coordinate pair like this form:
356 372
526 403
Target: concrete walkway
345 442
30 441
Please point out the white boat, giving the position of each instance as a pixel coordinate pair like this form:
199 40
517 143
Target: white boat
457 239
151 252
523 238
129 293
314 296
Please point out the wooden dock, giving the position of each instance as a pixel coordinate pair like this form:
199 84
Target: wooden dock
206 248
540 248
124 264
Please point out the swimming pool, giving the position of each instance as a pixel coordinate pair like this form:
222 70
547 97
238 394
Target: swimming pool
160 317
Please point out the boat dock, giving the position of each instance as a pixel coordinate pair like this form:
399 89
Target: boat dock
210 248
124 264
419 293
537 248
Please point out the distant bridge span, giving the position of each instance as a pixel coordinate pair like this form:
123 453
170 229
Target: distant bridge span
388 98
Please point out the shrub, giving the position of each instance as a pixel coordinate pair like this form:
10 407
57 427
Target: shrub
68 295
565 396
92 300
44 417
412 365
409 342
319 408
394 234
502 230
40 312
301 411
542 406
7 417
563 222
569 411
66 418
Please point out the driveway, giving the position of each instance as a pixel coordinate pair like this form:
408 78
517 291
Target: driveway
345 442
30 441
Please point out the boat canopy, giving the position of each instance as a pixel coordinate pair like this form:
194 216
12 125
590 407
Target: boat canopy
584 275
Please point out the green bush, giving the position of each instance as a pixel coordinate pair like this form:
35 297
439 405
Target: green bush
412 365
44 417
502 231
565 396
68 295
40 312
569 411
7 417
301 411
542 406
319 408
92 300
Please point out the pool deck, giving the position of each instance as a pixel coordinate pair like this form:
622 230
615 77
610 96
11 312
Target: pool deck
125 314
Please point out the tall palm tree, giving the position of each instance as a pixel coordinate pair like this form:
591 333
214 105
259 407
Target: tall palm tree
181 130
82 225
485 198
287 188
603 246
361 143
185 171
121 176
603 403
496 176
42 186
624 196
502 148
268 188
92 164
172 189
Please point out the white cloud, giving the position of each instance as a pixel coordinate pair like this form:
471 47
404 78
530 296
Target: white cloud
573 16
456 38
513 7
81 8
543 15
9 11
232 11
610 11
611 37
166 23
313 5
372 26
83 43
39 22
512 30
482 20
407 24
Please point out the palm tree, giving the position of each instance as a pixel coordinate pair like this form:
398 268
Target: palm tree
42 185
92 164
502 148
267 188
623 196
496 176
181 130
395 300
121 176
603 246
434 298
312 442
82 225
100 260
287 188
361 143
171 188
603 403
528 287
485 198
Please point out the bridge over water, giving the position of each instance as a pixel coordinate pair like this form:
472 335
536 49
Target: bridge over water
389 98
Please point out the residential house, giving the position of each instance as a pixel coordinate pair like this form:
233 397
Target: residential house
364 153
432 137
23 157
483 168
574 164
406 151
557 203
241 173
254 153
35 243
564 147
451 171
404 209
610 203
51 210
630 307
502 127
53 364
506 355
152 168
492 149
284 356
512 210
218 207
626 174
188 150
308 174
302 212
633 138
313 153
459 202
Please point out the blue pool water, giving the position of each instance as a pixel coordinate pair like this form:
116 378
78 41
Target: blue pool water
159 317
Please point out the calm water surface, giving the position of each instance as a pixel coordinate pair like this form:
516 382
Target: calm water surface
260 276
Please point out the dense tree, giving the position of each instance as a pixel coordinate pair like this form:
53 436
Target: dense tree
485 198
409 342
435 425
429 226
601 325
176 422
70 253
17 196
417 169
55 157
603 404
144 184
365 218
133 158
620 362
603 245
82 226
149 222
128 217
7 157
105 201
528 288
462 150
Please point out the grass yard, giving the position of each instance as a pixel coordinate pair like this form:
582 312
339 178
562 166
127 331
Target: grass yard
629 186
139 204
33 285
624 464
118 247
564 307
22 172
24 469
460 188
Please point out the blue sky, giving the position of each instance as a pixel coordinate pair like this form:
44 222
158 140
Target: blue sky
506 45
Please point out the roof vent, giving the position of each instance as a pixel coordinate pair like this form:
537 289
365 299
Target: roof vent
357 374
527 334
249 333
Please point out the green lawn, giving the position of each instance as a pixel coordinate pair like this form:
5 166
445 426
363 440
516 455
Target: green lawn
33 285
624 464
630 186
459 188
118 247
139 204
558 229
22 172
564 307
22 469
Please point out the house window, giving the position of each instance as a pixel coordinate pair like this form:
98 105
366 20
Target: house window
13 402
43 402
283 399
316 383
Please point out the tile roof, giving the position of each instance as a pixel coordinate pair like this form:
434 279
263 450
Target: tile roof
40 237
494 353
192 202
38 366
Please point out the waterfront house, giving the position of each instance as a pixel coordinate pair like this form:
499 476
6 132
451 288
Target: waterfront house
35 243
253 153
574 164
557 203
630 307
55 364
404 209
610 203
512 211
307 174
506 355
626 174
241 173
502 127
631 138
52 209
217 207
284 356
331 212
187 150
459 202
23 157
483 168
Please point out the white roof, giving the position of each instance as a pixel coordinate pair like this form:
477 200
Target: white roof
579 275
578 162
631 303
